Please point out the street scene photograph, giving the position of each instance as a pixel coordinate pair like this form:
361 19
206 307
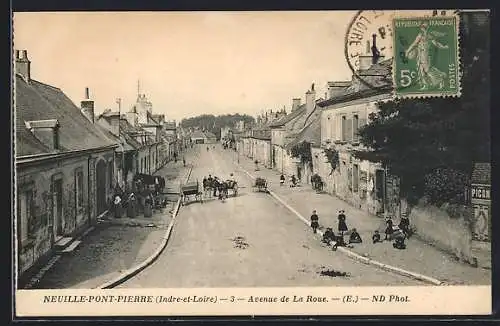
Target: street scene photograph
251 149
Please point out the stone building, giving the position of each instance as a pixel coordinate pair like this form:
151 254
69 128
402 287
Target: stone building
362 183
64 169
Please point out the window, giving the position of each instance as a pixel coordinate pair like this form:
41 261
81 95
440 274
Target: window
79 191
355 126
355 178
24 214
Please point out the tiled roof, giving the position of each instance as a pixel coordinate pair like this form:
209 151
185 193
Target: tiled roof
208 134
289 117
339 83
38 101
197 134
481 174
311 133
31 145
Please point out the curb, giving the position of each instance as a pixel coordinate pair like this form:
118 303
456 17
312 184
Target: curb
131 272
354 255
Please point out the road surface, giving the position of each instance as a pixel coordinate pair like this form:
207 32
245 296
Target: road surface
249 241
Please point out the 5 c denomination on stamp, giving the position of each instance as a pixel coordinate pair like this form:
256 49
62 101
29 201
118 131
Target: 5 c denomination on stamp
426 58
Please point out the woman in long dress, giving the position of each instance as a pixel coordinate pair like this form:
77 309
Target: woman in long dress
342 226
428 76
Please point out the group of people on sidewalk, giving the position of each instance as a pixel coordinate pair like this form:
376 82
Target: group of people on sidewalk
293 181
391 233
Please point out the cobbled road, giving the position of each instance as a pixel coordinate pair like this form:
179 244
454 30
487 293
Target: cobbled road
249 241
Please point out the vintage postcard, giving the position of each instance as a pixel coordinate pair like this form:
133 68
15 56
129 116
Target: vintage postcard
252 163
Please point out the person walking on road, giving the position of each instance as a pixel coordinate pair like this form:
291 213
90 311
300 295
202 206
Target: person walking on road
342 226
314 221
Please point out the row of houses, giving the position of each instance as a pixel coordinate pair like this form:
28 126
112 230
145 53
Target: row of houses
331 123
69 162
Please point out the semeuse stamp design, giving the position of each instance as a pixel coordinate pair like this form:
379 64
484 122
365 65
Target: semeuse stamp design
426 61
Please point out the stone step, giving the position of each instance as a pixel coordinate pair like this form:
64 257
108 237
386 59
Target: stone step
72 246
63 243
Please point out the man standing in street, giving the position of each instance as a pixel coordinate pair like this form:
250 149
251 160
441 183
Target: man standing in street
314 221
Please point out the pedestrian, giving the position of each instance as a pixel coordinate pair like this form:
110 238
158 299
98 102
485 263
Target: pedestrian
389 230
399 241
328 236
404 225
376 237
342 226
314 221
355 237
282 179
184 161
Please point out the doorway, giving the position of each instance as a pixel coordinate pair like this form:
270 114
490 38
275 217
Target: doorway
101 186
57 213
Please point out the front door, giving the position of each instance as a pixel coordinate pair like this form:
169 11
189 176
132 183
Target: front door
57 209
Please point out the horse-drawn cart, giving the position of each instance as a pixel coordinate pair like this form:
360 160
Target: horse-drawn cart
191 189
260 185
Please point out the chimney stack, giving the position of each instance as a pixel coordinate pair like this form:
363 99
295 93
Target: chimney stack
87 106
310 100
23 65
295 103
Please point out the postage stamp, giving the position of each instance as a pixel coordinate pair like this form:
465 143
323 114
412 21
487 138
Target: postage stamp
426 58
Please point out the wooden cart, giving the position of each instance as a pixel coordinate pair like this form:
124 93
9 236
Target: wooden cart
260 185
189 190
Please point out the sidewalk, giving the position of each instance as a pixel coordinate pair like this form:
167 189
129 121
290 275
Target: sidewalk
419 257
115 244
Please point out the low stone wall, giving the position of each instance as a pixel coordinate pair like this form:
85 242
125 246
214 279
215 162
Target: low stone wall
445 227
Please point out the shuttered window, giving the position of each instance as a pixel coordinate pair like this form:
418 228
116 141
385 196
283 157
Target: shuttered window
355 126
348 132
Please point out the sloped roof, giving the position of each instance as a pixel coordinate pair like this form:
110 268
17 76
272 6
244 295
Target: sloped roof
38 101
339 83
311 133
208 134
169 125
481 174
289 117
197 134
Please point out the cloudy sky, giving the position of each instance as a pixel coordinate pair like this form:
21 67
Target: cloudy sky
187 63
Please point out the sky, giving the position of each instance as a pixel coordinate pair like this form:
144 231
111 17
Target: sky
187 63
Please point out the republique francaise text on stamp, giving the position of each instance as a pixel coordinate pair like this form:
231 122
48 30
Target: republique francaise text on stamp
426 60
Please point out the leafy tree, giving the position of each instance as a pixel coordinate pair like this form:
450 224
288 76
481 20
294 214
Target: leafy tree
302 151
332 157
421 139
213 124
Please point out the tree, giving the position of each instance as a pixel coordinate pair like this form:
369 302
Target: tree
213 124
437 137
302 151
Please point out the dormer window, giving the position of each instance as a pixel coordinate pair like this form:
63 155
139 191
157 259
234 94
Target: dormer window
46 131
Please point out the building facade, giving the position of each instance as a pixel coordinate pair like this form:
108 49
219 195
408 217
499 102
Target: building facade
64 169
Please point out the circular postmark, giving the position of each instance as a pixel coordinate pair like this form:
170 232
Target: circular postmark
369 39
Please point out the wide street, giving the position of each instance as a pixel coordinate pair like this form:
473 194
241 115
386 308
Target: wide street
248 241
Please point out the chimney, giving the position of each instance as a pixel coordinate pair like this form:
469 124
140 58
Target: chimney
47 131
87 106
365 61
310 100
23 65
131 117
295 103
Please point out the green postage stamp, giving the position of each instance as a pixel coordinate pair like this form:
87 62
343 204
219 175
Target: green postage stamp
426 56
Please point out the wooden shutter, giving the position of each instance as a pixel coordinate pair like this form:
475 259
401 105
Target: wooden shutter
348 129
